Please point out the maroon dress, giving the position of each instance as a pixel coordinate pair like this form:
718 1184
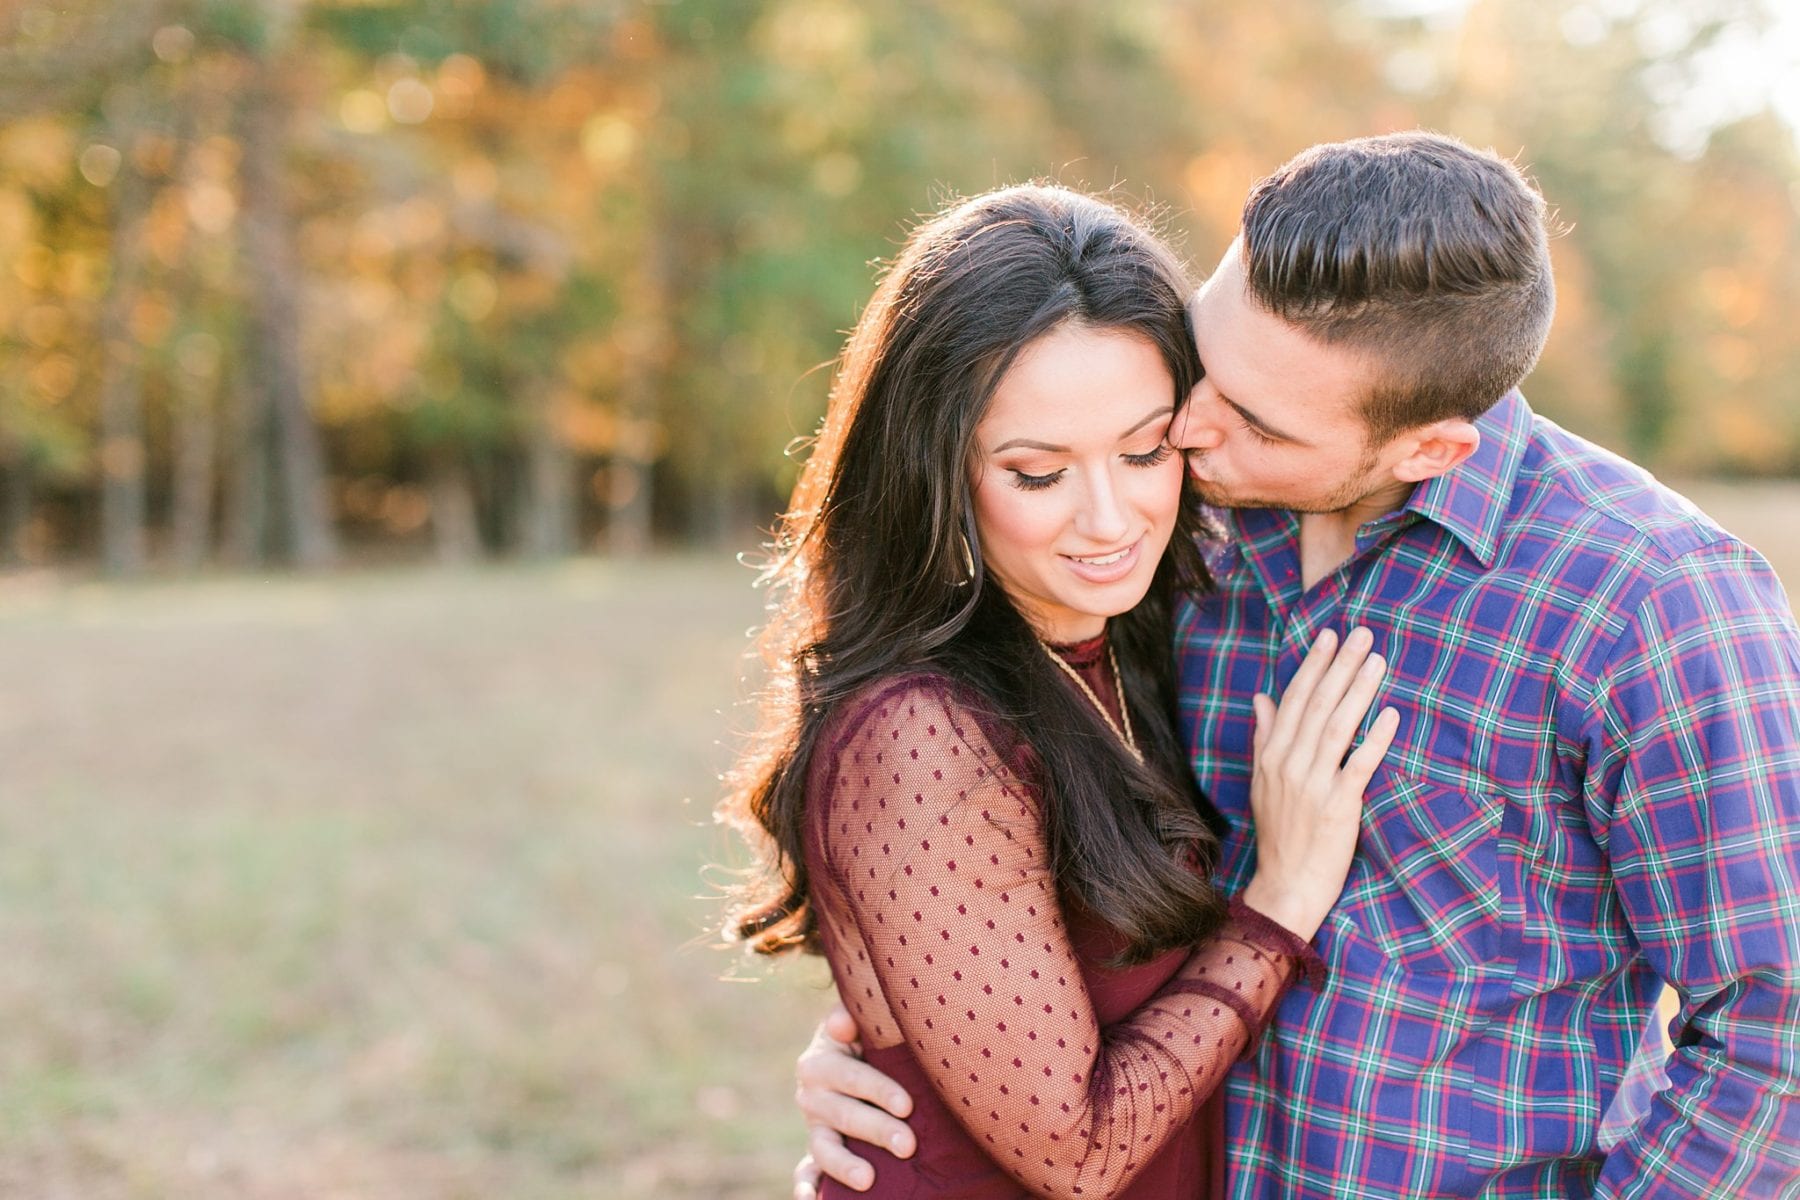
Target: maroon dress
1035 1070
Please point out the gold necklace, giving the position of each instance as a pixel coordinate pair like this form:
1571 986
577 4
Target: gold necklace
1126 735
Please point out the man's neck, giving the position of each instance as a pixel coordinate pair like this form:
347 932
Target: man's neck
1328 539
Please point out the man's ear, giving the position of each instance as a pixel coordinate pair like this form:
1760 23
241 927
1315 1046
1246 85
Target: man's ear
1436 449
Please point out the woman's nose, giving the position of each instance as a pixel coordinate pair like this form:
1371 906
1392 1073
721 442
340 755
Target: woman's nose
1103 518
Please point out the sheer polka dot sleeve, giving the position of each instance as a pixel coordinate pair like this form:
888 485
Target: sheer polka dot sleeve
941 921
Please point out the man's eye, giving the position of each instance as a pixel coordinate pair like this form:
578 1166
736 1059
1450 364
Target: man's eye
1256 433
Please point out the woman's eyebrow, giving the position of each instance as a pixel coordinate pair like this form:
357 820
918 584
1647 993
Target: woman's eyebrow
1029 444
1032 444
1167 411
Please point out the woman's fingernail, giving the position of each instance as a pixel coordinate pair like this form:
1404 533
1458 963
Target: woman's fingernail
897 1144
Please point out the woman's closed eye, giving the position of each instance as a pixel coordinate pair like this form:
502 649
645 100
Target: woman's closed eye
1153 458
1032 483
1027 482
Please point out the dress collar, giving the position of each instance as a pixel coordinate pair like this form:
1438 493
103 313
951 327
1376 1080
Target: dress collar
1084 653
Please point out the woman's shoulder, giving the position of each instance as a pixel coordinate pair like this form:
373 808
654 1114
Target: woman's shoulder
918 733
899 698
923 707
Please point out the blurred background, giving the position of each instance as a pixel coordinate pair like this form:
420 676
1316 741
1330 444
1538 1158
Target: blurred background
387 385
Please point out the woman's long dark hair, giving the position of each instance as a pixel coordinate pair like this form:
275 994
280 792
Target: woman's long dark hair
871 580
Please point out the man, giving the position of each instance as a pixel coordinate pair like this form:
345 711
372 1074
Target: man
1596 786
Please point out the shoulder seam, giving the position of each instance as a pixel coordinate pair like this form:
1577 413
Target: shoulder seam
1705 533
1654 578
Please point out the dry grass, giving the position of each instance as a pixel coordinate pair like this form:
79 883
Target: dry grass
379 886
386 886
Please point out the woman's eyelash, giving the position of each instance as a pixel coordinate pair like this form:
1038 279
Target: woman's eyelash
1032 483
1153 458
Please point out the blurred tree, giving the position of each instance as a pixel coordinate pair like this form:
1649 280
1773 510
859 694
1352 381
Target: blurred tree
280 431
197 361
121 441
1737 302
1586 95
63 70
534 275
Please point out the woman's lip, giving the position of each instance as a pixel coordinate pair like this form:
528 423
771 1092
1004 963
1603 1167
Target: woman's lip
1109 572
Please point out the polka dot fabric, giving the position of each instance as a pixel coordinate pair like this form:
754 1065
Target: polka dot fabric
947 940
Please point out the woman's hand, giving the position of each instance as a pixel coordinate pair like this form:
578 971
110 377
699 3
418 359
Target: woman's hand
1306 797
842 1096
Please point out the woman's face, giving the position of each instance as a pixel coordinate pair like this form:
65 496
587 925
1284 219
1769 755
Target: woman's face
1076 489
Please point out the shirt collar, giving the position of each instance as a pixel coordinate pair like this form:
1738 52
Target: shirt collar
1471 502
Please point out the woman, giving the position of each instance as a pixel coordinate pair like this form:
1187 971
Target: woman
969 788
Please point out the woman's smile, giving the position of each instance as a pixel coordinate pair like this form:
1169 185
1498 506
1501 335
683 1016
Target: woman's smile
1106 568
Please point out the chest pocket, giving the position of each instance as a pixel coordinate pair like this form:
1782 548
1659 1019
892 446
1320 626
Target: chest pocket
1425 885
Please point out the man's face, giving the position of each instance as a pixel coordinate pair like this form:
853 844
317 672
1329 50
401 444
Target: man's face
1275 422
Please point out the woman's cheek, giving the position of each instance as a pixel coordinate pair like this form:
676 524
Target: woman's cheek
1010 520
1161 495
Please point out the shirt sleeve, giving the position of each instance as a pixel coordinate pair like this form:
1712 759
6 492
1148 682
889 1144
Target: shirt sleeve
937 857
1694 774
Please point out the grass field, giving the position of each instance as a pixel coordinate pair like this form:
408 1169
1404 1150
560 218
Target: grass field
380 886
390 885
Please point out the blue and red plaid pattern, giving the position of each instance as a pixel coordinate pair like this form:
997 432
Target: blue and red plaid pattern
1596 787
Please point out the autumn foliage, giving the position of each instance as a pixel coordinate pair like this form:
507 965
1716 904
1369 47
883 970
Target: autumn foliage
291 281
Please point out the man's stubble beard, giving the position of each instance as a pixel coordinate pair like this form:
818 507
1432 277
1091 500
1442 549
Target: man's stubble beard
1348 493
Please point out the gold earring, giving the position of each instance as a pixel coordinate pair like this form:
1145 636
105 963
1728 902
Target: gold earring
968 557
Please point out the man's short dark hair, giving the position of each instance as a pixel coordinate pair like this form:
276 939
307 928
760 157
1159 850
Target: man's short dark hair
1431 256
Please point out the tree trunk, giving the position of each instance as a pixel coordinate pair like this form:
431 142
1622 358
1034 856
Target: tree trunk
647 339
246 535
15 500
121 450
1644 371
727 523
277 371
628 495
205 112
454 527
550 472
190 520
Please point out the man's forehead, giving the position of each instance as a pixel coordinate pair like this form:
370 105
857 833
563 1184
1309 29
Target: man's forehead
1230 265
1228 282
1219 301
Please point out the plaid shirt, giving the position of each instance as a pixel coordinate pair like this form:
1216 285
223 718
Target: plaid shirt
1596 787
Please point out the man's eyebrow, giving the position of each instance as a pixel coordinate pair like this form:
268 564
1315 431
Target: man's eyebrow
1257 423
1030 444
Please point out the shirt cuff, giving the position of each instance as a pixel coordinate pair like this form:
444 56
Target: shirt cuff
1268 934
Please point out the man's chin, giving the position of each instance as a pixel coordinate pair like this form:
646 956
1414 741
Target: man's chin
1214 496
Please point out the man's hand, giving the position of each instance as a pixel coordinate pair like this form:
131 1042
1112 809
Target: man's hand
839 1093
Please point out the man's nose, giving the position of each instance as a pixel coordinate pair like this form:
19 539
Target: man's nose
1191 430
